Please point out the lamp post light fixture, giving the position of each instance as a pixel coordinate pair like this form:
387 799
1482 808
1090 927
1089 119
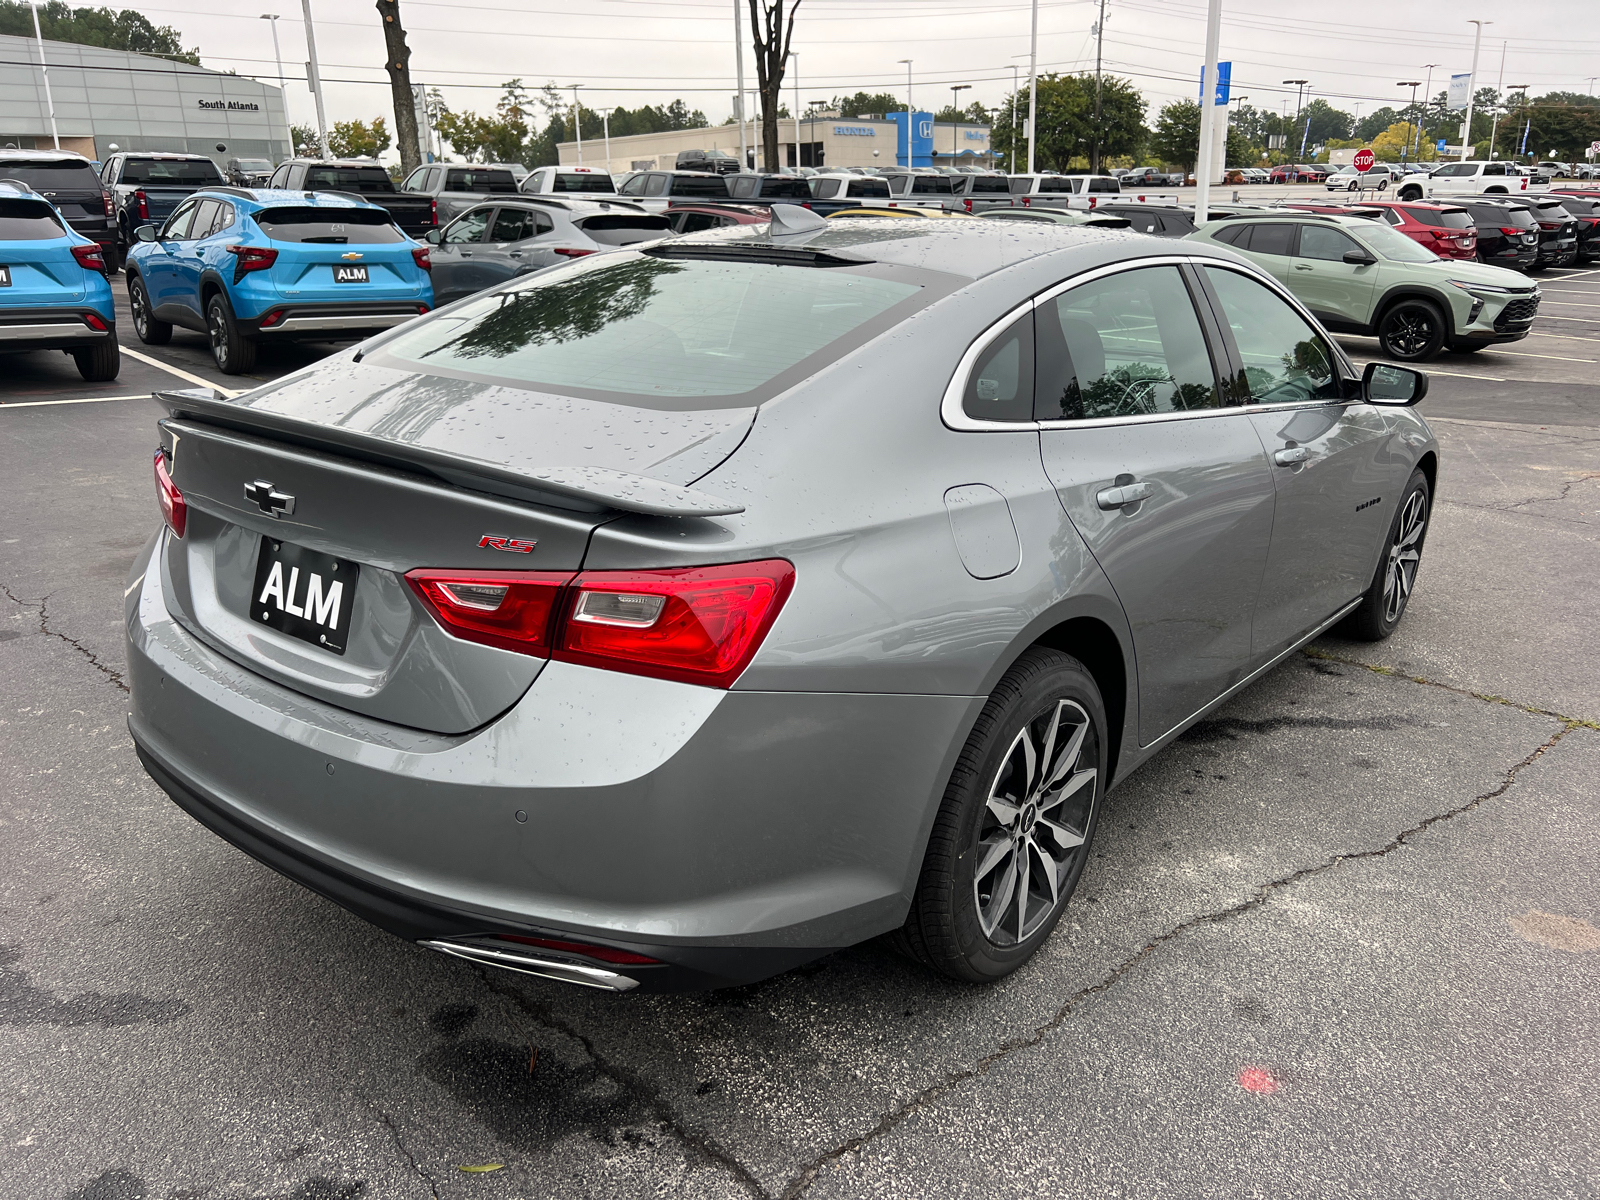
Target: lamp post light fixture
577 120
911 119
283 92
1472 86
1299 92
955 128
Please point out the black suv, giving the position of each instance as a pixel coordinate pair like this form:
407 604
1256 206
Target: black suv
718 162
1585 211
70 182
1508 236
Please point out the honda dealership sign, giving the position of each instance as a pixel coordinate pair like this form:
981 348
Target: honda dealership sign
921 139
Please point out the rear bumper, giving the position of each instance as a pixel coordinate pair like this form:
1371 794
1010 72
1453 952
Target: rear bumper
51 329
730 835
331 322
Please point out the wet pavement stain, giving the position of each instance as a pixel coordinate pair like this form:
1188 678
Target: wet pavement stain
111 1185
22 1003
1230 729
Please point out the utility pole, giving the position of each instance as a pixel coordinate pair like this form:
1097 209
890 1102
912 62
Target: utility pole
1033 88
283 92
911 120
1204 167
1014 87
605 118
1299 85
45 68
796 58
577 121
1413 84
1427 99
738 99
1099 42
315 79
1472 87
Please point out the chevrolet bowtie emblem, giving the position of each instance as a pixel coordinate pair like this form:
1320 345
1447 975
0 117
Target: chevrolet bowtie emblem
351 256
269 499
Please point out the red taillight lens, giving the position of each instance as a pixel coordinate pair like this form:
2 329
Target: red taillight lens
90 258
511 610
603 953
967 203
571 252
272 318
94 322
423 310
433 211
421 258
173 510
252 258
1027 202
1510 231
105 199
143 202
695 625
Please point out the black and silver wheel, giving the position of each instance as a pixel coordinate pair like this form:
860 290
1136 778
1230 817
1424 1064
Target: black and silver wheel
234 353
1396 578
151 331
1013 833
1411 331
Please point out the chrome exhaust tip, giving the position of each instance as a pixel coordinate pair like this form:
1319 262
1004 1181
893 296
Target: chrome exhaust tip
561 970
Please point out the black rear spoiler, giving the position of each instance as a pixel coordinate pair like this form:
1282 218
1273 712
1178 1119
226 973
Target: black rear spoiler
587 488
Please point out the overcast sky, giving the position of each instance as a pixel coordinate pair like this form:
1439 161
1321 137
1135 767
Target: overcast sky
629 52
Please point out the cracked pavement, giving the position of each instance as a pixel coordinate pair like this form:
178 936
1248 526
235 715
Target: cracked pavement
1332 942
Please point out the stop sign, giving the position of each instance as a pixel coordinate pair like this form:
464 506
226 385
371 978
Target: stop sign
1364 160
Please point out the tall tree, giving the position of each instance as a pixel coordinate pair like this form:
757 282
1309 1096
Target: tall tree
124 30
398 64
772 37
862 103
1177 133
357 139
1066 120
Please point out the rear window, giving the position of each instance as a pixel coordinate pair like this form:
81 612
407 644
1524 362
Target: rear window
28 221
666 333
990 185
932 185
572 182
480 181
1055 183
1105 185
1458 218
624 230
173 172
778 187
1505 218
704 186
338 226
875 189
51 176
369 180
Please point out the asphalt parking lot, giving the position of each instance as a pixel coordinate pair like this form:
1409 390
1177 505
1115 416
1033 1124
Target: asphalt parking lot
1343 939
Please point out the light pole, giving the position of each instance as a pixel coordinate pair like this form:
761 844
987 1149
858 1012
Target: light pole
605 119
1299 85
577 120
1014 86
911 120
1523 88
1205 161
1033 86
1472 86
1413 84
1427 98
796 57
955 128
283 92
44 67
1499 101
738 70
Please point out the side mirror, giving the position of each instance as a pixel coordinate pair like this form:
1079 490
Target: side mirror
145 233
1391 385
1359 258
433 237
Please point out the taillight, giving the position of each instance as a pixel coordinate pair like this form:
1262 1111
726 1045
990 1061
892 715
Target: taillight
271 319
571 252
433 211
608 954
94 322
251 258
143 202
1510 231
967 204
694 625
512 610
91 257
1027 201
420 257
105 199
423 310
173 509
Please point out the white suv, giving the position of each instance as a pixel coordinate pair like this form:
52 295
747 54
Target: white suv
1473 178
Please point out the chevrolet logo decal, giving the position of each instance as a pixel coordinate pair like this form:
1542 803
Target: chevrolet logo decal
351 256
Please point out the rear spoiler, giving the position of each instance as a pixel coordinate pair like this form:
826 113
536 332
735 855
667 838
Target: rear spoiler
588 488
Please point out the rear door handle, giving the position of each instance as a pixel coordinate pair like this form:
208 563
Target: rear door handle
1290 455
1130 493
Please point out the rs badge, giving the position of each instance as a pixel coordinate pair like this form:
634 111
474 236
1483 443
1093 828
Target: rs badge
490 541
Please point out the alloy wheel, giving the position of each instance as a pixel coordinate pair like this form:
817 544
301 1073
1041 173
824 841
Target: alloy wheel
217 330
141 311
1404 556
1411 332
1036 820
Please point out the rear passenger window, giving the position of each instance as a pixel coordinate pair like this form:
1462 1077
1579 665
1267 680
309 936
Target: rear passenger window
1124 346
655 185
1231 235
515 224
204 216
1271 239
1000 387
1285 360
822 189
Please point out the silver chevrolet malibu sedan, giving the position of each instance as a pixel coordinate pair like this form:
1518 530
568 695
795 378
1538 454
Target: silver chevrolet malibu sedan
675 616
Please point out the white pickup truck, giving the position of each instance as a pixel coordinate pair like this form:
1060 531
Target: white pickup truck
1472 178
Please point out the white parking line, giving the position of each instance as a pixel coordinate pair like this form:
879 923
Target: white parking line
1556 357
1574 303
1585 320
1565 337
76 400
1435 371
181 374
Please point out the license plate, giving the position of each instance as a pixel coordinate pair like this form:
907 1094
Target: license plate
304 594
5 276
350 275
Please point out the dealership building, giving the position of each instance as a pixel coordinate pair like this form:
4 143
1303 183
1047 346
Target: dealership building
106 98
825 140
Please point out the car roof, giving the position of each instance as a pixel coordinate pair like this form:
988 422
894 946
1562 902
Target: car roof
334 162
165 155
574 204
273 197
66 156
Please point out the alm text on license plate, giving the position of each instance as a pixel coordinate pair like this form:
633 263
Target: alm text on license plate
350 274
304 593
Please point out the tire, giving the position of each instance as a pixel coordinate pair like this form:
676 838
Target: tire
1384 603
151 331
1383 185
113 256
234 353
100 362
963 922
1411 192
1412 331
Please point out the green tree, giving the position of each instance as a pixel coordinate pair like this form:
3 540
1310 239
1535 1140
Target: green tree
1177 133
1066 121
357 139
305 141
1565 122
862 103
1318 124
113 30
1371 125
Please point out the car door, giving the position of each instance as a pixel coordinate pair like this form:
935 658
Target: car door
185 262
456 271
514 245
157 266
1333 469
1269 245
1160 472
1334 290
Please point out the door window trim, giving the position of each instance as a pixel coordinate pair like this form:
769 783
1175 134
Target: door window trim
953 412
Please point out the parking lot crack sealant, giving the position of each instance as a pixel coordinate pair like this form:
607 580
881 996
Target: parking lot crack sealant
700 1145
42 606
1260 895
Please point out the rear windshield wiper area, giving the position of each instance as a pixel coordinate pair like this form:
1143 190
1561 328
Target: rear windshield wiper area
782 256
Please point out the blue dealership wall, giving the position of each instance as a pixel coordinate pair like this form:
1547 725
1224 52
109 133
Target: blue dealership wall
922 139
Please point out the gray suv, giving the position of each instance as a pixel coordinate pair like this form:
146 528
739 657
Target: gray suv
681 614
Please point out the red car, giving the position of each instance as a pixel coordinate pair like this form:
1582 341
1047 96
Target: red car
1298 173
1446 229
693 218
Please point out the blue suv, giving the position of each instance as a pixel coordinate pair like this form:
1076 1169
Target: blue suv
53 289
245 266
